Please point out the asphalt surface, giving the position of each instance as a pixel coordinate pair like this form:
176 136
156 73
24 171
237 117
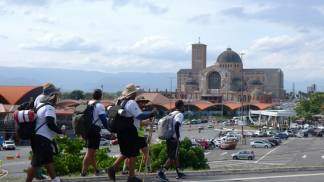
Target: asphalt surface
273 177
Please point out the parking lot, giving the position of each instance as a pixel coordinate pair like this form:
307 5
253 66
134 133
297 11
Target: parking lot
291 152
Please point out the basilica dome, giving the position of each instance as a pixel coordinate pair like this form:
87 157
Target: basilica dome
229 56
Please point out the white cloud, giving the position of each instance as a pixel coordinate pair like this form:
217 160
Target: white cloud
45 19
151 47
278 43
61 43
149 5
203 19
300 57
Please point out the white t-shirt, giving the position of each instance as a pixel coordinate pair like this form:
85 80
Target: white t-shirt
98 110
42 113
178 118
133 110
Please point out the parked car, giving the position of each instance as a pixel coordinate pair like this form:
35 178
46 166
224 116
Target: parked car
8 145
282 136
228 145
210 126
104 142
244 154
260 144
204 121
274 141
271 143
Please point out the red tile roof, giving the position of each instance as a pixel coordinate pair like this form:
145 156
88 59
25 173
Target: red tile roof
155 98
12 94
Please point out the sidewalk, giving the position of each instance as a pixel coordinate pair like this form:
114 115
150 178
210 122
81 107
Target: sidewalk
206 173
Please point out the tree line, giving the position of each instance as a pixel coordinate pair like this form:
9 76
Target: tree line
81 95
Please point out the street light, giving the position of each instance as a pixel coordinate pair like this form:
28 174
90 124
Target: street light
241 110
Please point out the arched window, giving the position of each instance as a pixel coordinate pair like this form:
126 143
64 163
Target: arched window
214 80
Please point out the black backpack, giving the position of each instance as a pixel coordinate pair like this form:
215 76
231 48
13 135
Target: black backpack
117 121
83 118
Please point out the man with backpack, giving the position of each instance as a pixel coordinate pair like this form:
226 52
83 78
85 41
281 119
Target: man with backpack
99 118
127 135
42 143
173 143
48 89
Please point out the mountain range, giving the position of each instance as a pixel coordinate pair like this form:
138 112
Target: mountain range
69 80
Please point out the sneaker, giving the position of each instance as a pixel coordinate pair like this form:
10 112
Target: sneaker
83 174
124 172
134 179
98 173
111 173
180 175
161 176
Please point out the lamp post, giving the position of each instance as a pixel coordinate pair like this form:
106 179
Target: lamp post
241 110
170 100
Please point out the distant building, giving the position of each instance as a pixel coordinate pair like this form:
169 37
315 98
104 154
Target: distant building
223 80
311 89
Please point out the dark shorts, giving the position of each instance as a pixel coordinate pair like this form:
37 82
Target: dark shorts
93 139
43 151
142 142
128 142
172 148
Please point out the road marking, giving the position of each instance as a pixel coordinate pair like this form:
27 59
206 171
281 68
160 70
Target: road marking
304 156
265 177
206 153
266 154
224 153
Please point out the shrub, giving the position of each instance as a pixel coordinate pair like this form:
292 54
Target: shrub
70 156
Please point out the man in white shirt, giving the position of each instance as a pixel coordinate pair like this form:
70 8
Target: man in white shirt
93 138
173 143
128 136
42 143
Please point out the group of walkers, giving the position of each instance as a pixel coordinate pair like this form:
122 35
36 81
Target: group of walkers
131 137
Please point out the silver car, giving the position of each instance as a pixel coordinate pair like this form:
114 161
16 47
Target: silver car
260 144
244 154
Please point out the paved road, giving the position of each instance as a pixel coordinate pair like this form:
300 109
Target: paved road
268 177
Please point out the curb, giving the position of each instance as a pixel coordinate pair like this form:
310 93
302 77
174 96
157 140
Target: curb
3 173
194 174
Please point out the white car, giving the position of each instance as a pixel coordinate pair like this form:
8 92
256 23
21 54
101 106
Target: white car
260 144
104 142
8 145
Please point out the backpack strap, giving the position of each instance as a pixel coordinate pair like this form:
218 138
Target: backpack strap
94 106
36 110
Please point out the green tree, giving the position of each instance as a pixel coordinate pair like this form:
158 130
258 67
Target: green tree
77 95
306 108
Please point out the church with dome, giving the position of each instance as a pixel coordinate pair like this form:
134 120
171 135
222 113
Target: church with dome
227 80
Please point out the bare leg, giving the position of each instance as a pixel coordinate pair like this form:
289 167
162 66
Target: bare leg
50 170
168 164
119 160
146 156
131 166
93 161
87 160
30 174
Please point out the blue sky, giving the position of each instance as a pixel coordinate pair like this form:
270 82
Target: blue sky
156 35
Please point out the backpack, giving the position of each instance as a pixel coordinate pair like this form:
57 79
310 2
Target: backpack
117 121
82 119
165 127
26 121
